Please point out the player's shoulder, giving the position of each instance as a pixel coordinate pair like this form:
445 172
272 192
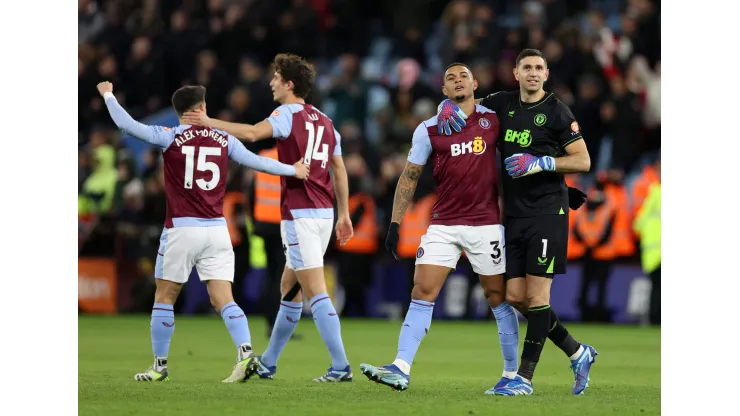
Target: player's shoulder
327 119
428 127
483 111
503 95
556 104
287 109
170 131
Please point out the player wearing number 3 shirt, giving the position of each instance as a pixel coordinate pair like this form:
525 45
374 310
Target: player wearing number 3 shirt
465 218
303 134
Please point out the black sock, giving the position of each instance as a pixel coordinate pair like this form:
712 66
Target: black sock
561 337
537 329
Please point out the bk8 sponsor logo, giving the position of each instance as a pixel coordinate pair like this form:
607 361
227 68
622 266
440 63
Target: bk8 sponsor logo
476 147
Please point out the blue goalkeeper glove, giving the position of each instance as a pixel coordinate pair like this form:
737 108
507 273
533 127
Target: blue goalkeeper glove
449 114
522 164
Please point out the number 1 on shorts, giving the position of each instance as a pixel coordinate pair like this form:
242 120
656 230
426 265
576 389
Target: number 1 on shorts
544 248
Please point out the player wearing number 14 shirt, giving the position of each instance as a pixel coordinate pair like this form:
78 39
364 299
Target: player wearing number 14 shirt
195 233
303 134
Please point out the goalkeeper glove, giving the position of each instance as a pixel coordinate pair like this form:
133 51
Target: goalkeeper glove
523 164
576 198
449 114
391 240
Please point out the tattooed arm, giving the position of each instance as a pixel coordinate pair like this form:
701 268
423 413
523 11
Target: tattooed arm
405 190
421 149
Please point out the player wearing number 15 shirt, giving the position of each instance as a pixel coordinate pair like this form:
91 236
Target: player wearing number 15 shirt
303 134
195 232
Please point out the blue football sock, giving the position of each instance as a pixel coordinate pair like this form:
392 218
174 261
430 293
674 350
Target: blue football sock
327 322
237 324
285 323
162 327
415 327
508 335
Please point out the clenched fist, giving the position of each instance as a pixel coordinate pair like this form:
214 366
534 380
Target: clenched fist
104 87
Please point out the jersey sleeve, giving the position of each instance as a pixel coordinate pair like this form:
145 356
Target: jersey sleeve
421 146
338 148
494 101
281 121
156 135
566 127
241 155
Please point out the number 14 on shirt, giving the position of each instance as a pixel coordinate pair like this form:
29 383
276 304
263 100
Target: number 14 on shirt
313 145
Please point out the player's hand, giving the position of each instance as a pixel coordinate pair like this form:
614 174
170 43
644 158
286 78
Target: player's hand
104 87
344 229
449 114
391 240
301 170
576 198
523 164
196 118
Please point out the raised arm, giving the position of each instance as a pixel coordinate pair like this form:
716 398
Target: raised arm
155 135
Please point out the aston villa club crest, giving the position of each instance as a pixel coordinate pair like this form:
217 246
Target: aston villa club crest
484 123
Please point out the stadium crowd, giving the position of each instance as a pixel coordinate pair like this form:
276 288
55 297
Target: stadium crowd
380 67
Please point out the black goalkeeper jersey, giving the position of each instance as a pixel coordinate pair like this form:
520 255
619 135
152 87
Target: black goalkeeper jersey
543 128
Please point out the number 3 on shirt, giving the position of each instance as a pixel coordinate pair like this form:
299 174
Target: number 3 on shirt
312 149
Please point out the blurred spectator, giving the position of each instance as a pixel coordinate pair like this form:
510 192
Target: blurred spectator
349 92
99 188
358 254
648 226
622 115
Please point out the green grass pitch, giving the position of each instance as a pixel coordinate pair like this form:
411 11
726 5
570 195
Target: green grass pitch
456 363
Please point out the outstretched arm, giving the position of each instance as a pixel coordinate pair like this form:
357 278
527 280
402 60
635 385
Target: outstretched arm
239 154
248 132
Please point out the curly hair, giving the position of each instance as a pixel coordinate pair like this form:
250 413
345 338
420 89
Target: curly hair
294 68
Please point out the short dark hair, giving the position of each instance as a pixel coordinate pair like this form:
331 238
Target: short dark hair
294 68
188 97
530 52
458 64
